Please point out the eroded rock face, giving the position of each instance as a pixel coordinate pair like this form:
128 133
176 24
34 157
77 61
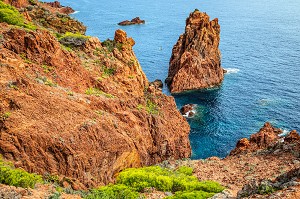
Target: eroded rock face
84 113
196 59
17 3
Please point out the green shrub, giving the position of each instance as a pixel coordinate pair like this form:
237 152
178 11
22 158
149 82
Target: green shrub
4 117
265 189
185 170
151 107
17 177
111 44
165 180
118 191
97 92
191 195
72 39
11 15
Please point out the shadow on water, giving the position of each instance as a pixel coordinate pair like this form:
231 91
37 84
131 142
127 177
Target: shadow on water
206 125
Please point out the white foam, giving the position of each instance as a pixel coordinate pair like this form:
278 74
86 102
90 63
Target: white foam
284 133
187 114
75 12
232 70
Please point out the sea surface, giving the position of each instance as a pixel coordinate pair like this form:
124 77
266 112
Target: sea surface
260 45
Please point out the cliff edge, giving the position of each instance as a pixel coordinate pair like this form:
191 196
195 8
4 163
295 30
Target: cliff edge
76 107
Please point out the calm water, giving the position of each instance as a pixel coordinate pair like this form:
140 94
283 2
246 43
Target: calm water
260 41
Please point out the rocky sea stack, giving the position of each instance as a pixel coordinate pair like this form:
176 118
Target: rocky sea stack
196 58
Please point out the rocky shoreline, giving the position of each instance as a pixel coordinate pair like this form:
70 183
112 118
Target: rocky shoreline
83 110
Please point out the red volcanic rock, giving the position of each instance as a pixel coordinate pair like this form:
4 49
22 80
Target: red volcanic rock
17 3
266 135
134 21
262 139
196 58
62 9
56 127
293 136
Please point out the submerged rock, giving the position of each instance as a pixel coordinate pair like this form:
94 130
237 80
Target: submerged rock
196 58
133 21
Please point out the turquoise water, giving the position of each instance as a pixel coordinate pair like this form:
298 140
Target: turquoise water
260 41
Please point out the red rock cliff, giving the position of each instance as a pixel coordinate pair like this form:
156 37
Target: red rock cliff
196 58
83 112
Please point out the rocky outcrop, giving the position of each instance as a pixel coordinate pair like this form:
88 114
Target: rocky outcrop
62 9
83 113
196 59
265 137
158 84
133 21
17 3
264 166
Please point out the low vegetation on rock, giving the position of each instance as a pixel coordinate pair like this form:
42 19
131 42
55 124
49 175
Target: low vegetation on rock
180 182
11 15
17 177
72 39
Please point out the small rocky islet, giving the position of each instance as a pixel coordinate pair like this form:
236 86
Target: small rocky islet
79 112
134 21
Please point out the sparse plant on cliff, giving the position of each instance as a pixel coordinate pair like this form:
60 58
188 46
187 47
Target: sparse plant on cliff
17 177
111 44
32 2
151 107
11 15
97 92
47 69
46 81
107 71
72 39
4 117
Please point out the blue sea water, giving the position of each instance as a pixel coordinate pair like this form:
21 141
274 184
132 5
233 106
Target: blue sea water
260 42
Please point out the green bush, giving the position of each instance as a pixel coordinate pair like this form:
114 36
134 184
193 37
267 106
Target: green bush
165 180
118 191
72 39
11 15
151 107
111 44
185 170
17 177
191 195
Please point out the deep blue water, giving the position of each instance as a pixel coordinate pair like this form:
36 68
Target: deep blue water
260 39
